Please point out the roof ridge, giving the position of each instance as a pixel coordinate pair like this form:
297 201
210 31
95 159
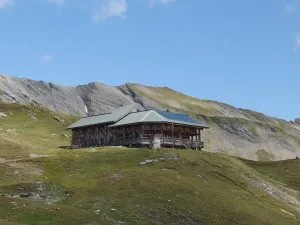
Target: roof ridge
147 114
145 110
114 110
101 114
161 116
178 113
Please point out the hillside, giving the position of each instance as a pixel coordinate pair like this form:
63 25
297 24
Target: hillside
239 132
41 183
234 131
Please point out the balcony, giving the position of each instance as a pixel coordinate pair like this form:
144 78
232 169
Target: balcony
162 142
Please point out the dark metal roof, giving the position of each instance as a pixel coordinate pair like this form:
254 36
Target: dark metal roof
111 117
180 118
135 113
155 116
150 116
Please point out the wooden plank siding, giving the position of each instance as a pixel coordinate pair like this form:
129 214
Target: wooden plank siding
138 135
92 136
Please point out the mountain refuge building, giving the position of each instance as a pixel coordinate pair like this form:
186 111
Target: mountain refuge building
133 126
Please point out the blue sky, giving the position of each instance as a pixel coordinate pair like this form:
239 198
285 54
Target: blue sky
245 53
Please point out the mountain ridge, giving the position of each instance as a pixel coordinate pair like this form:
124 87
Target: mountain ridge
235 131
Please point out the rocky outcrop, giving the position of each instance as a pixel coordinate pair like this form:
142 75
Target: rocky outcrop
95 97
239 132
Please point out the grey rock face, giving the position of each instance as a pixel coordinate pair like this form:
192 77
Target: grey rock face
145 102
297 121
97 98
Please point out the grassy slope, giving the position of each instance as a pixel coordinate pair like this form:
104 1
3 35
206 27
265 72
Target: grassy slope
199 188
31 129
169 98
215 113
286 172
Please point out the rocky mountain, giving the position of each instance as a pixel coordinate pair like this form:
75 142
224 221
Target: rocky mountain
71 100
239 132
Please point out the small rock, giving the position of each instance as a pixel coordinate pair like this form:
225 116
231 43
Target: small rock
148 160
171 157
97 211
24 195
117 176
114 210
57 209
33 117
40 188
58 119
65 135
2 115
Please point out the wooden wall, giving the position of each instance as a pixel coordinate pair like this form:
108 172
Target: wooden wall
92 136
102 135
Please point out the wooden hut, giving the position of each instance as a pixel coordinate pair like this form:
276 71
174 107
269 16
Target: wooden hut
132 126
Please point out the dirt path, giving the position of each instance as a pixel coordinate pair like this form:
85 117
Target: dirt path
31 156
281 193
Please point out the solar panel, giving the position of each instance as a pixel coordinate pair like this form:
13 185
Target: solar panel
178 117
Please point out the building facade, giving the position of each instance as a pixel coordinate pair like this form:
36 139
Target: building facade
133 126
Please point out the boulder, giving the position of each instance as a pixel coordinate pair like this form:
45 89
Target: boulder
24 195
2 115
58 119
